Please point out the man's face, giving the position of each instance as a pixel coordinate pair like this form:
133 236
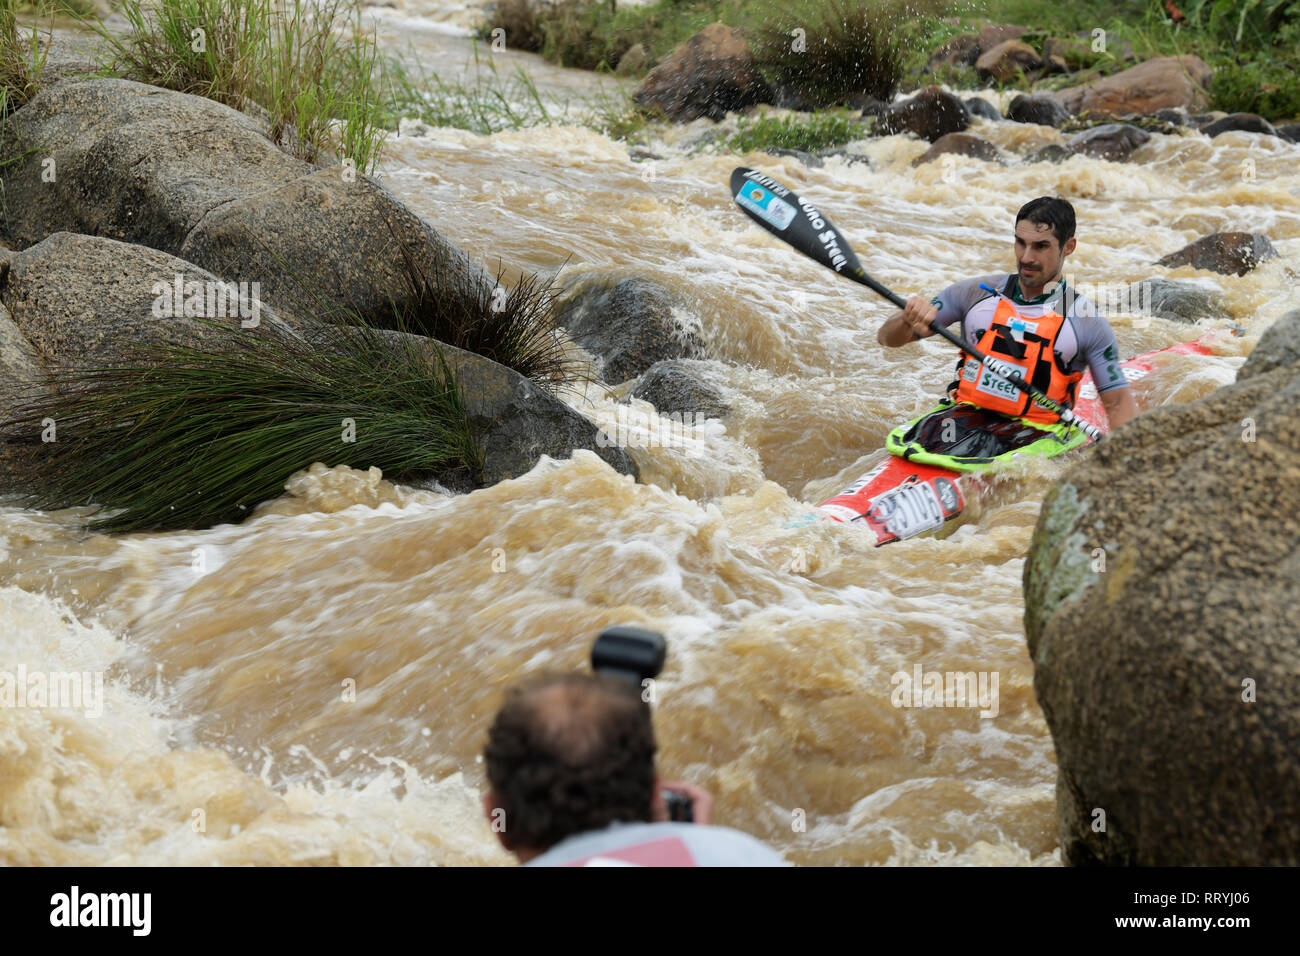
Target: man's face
1038 254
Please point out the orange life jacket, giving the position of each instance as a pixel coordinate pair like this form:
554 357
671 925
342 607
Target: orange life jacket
1028 344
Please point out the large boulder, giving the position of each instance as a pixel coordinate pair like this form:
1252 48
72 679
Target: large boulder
1162 623
981 107
83 302
22 374
1113 141
709 75
628 324
1278 347
960 51
1229 253
188 176
930 114
995 34
1161 83
80 302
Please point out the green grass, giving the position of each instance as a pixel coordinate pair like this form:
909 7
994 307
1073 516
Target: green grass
21 61
311 68
485 102
808 133
188 437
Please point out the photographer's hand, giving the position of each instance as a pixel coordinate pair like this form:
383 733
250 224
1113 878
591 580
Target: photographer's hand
701 801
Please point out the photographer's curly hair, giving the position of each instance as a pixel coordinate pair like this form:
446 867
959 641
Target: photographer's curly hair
570 754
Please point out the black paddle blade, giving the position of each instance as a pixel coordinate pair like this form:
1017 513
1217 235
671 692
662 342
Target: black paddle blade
781 212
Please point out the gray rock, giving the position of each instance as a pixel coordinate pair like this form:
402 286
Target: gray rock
188 176
1242 122
929 114
516 422
627 324
963 144
979 106
1290 131
680 386
1278 347
85 302
1178 301
1229 253
1051 153
22 375
808 159
1037 108
1171 116
1112 141
1168 678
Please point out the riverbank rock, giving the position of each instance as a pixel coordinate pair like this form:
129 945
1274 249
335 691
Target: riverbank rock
1239 122
1007 60
1162 623
680 386
1113 141
629 324
1161 83
1177 300
710 74
962 144
190 177
1229 253
960 51
1037 108
1290 131
929 114
995 34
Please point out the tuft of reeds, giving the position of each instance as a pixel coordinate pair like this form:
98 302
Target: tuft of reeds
513 326
22 58
185 436
310 67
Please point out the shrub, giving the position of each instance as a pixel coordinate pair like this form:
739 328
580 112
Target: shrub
1268 88
825 51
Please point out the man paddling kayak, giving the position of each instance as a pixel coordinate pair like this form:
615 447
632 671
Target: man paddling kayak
1029 319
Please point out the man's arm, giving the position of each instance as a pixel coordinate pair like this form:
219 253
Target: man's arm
1120 406
910 324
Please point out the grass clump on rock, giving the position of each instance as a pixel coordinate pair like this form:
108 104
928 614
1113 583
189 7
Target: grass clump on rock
188 437
21 62
807 133
310 68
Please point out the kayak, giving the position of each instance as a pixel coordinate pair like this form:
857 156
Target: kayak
914 491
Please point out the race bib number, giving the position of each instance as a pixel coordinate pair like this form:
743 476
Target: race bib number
909 510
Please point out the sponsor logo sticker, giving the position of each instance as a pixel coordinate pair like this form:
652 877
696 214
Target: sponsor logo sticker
991 384
766 206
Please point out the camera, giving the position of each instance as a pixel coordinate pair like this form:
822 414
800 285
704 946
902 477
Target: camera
636 655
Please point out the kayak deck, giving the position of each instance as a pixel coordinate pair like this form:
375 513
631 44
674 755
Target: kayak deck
899 499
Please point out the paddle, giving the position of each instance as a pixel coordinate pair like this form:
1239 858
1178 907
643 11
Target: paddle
781 212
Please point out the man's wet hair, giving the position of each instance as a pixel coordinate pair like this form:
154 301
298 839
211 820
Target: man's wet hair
1050 211
570 754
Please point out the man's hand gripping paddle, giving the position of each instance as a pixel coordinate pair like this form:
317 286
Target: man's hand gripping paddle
781 212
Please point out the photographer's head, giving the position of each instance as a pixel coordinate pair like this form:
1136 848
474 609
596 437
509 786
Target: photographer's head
569 754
